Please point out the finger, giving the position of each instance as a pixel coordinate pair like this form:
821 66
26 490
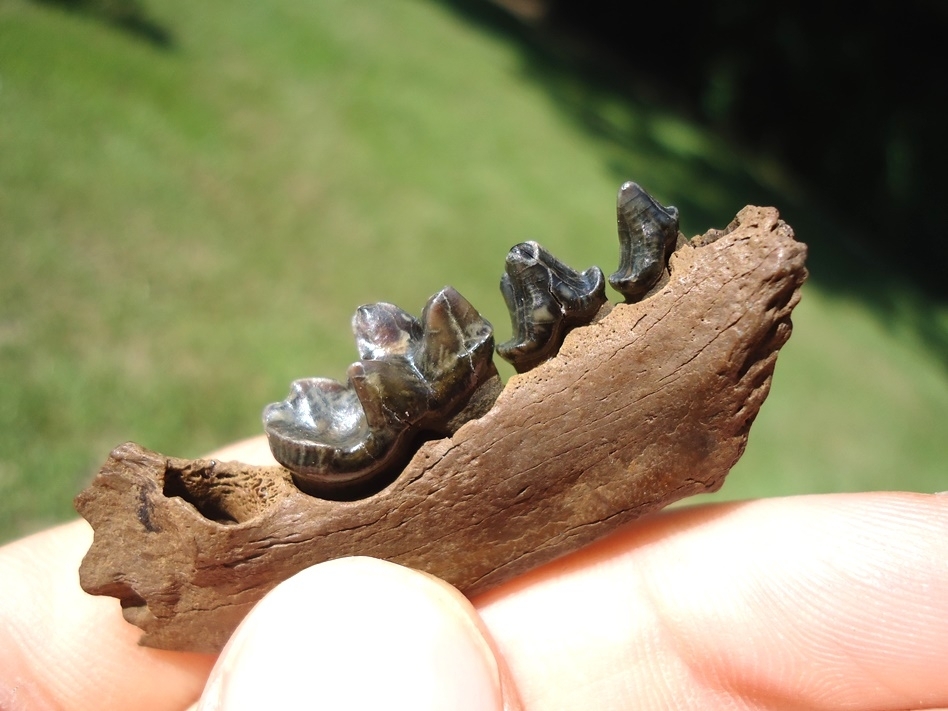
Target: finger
254 450
63 649
359 633
812 602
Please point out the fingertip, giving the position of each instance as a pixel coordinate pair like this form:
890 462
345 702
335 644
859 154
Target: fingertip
254 450
359 633
60 647
806 602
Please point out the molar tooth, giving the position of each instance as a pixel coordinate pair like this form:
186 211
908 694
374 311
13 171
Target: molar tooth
347 440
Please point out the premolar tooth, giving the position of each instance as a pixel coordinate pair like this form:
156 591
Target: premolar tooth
545 299
648 233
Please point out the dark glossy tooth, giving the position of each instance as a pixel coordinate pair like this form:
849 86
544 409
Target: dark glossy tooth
344 441
648 233
383 330
545 298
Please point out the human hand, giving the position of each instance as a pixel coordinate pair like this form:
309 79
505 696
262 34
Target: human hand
808 602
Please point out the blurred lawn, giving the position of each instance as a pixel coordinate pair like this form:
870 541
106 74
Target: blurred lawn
185 229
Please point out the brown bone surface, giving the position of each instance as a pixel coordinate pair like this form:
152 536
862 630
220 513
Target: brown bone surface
650 403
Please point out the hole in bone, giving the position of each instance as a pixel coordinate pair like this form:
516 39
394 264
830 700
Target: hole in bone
208 502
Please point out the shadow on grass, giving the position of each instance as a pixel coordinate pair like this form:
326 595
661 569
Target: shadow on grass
127 15
634 117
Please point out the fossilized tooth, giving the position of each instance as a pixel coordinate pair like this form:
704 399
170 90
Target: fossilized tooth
344 441
545 298
648 233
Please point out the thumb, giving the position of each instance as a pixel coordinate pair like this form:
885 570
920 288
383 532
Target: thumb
360 633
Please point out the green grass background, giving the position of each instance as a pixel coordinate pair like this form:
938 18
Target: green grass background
184 229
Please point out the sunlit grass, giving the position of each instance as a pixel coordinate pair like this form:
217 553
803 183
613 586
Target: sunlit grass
185 230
